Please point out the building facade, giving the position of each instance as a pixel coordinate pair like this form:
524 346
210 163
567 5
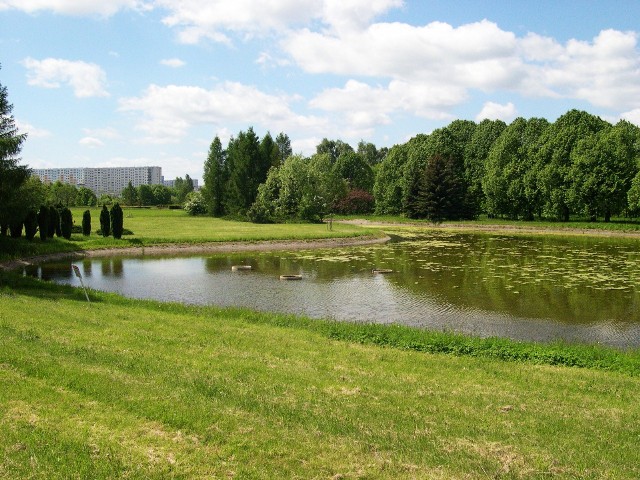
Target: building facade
102 180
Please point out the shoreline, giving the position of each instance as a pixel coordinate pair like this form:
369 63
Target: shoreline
496 228
187 249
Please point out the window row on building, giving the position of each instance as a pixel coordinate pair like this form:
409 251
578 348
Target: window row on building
102 180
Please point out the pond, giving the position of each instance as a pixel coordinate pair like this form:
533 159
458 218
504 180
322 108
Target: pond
524 288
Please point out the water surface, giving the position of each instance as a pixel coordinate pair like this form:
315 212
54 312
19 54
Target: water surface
525 288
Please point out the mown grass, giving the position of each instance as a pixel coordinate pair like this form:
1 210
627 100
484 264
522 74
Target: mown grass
137 389
155 226
579 224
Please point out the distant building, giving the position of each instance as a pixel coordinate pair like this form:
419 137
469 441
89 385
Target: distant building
102 180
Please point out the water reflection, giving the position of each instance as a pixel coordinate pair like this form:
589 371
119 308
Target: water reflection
523 288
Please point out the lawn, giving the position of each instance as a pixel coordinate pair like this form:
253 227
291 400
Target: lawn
134 389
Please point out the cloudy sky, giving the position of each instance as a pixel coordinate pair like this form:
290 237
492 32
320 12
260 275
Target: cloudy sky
152 82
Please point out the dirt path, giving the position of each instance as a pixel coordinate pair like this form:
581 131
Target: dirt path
525 229
217 247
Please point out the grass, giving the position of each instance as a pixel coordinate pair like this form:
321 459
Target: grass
161 226
616 224
123 388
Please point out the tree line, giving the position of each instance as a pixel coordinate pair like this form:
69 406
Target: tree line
579 165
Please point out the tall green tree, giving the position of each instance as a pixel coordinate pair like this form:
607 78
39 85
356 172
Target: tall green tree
334 148
105 221
284 147
161 194
554 159
130 194
43 222
603 166
214 179
438 190
62 194
246 172
85 197
145 195
388 186
86 223
12 175
355 170
117 221
66 223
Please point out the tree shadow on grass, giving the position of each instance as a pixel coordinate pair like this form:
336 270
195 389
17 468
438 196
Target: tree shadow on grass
14 283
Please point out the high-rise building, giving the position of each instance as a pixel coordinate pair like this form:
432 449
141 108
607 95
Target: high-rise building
102 180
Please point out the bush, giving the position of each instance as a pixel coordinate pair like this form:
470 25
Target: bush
86 223
43 222
356 201
105 222
31 224
54 223
195 204
66 223
117 219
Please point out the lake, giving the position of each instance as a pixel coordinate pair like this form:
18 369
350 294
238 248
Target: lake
525 288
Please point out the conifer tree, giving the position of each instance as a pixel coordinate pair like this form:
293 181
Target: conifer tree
105 221
117 220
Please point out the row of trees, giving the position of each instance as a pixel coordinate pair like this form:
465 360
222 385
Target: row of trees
578 165
158 194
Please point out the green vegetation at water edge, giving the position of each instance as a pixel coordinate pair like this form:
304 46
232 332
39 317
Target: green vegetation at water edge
137 389
162 226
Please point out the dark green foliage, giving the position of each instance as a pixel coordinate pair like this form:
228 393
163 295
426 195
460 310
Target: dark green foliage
105 222
86 198
145 195
284 147
31 224
12 175
439 187
130 195
355 170
54 223
214 179
389 182
117 219
15 227
86 223
43 222
66 223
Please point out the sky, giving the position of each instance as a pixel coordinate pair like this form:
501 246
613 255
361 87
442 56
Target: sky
152 82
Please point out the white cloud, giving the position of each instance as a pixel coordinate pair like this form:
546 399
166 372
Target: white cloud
73 7
103 133
91 142
632 116
173 62
496 111
31 131
210 19
86 79
169 112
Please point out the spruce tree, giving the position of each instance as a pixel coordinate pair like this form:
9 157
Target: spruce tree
66 223
116 221
105 221
86 223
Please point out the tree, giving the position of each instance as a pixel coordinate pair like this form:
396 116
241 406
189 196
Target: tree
388 185
62 194
244 172
269 157
603 166
145 195
161 194
43 222
66 223
355 170
12 175
334 148
117 220
31 224
370 153
130 195
214 179
105 222
86 223
86 198
284 147
438 190
54 223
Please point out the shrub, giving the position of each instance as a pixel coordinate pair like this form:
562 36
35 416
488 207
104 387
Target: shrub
356 201
117 219
54 223
66 223
86 223
16 228
31 224
105 222
195 204
43 222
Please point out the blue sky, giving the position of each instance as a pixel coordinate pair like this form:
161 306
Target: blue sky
152 82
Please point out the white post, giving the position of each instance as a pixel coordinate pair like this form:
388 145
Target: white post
76 270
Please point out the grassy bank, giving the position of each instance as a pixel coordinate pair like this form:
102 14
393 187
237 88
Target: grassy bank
577 225
135 389
161 226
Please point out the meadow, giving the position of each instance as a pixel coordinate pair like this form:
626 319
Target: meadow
123 388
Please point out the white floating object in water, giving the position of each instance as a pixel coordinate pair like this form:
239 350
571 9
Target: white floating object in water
290 277
237 268
381 270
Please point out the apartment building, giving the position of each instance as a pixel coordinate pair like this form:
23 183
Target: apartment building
102 180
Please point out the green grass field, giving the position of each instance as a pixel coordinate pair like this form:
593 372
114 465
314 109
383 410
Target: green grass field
134 389
155 226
